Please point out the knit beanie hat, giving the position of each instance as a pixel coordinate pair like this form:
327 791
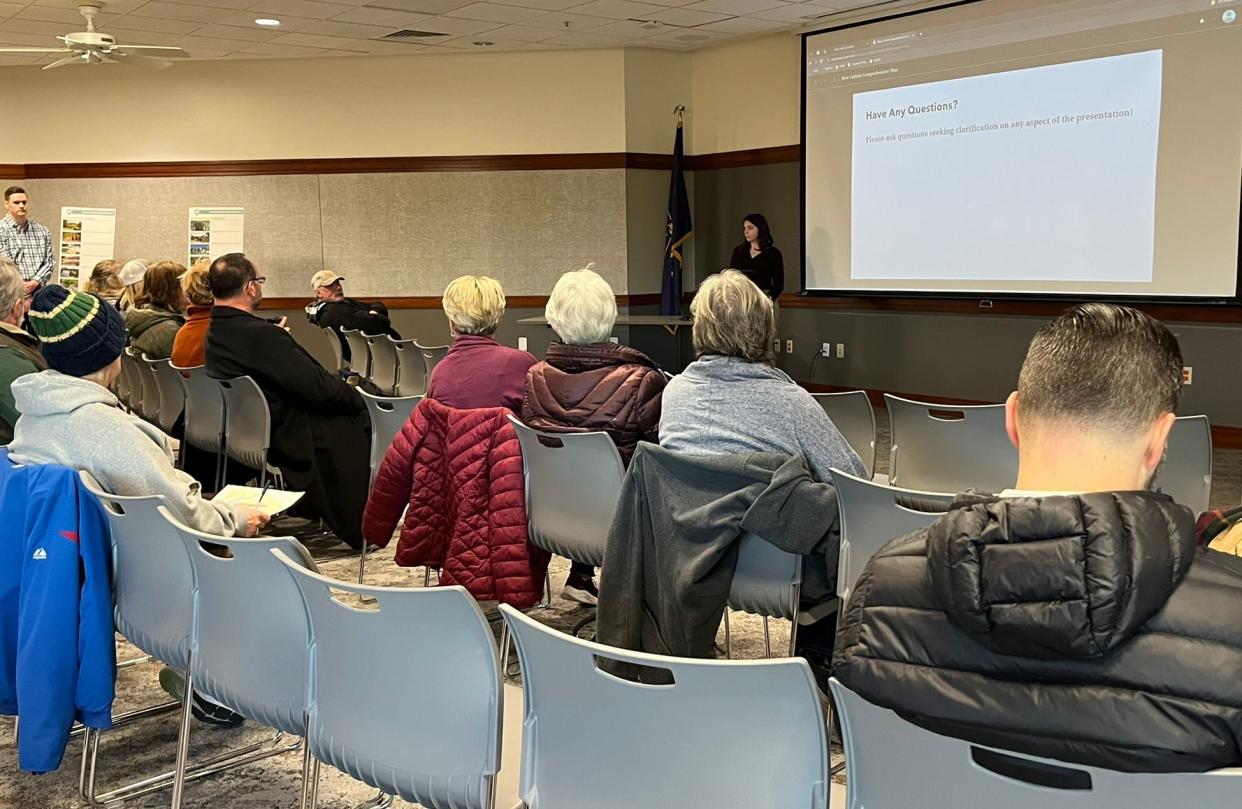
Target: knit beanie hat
79 333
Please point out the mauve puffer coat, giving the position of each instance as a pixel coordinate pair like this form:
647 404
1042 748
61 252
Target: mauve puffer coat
602 387
460 471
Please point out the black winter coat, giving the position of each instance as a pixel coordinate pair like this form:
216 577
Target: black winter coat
1088 629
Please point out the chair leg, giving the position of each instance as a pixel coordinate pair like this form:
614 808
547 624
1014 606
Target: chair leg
362 563
183 737
314 784
427 576
767 638
306 762
728 635
793 634
504 649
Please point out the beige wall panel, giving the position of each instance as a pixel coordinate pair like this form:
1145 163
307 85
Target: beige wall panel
747 95
410 234
655 83
281 229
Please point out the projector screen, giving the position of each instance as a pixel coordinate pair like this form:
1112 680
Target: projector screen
1085 148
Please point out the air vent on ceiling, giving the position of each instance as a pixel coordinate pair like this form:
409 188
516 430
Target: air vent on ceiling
410 34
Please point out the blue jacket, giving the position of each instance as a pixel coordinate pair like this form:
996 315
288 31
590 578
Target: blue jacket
57 648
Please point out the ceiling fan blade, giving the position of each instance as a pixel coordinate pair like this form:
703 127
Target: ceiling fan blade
36 50
137 59
68 60
163 51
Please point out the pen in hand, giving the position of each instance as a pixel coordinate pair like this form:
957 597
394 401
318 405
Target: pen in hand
266 486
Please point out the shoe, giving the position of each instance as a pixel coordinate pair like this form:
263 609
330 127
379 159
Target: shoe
203 710
580 589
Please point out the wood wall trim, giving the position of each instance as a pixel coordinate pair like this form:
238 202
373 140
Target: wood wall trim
1184 312
433 301
1223 436
380 165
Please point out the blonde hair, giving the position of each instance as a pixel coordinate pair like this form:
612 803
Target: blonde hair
582 308
733 317
194 283
474 304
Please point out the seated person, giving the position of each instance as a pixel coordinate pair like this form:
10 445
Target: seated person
733 399
131 275
587 383
156 316
1072 617
70 417
477 371
189 349
332 310
19 351
105 281
321 433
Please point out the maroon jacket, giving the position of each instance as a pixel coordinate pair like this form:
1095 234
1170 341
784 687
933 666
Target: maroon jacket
604 386
477 371
460 471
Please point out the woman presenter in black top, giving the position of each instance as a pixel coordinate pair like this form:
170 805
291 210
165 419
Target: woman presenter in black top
757 259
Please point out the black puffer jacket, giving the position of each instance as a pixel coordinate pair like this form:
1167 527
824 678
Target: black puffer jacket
1087 629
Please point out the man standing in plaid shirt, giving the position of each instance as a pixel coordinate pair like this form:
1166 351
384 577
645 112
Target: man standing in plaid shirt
28 243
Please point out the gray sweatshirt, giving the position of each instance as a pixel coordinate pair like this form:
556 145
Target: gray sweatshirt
77 423
729 406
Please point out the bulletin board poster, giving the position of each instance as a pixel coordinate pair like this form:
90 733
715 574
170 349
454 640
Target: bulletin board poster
215 231
87 237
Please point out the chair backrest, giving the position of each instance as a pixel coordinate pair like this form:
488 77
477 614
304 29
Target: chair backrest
149 406
436 743
248 422
171 392
251 637
853 415
965 774
870 517
359 352
1186 474
767 580
412 372
950 448
431 355
383 363
388 416
724 733
204 409
153 583
573 481
338 354
122 389
133 381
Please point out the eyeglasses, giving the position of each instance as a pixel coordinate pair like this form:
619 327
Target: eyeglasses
259 279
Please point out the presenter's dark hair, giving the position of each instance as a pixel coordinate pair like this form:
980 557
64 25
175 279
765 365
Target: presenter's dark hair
229 274
761 223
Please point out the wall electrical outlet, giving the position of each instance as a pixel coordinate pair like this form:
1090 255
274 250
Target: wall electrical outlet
1188 374
826 350
521 344
840 351
789 346
776 345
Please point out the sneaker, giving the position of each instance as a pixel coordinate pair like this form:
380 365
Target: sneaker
580 589
203 709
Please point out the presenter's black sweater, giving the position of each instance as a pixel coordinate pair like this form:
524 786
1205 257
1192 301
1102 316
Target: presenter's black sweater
767 269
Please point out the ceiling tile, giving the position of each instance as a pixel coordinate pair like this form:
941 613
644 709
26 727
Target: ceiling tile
694 37
587 40
493 12
386 47
630 29
794 13
688 17
352 30
558 19
619 9
271 49
16 39
50 29
467 44
393 20
308 40
69 17
421 6
254 33
134 37
523 33
744 25
456 27
193 41
155 25
230 4
179 11
736 6
546 5
288 22
299 8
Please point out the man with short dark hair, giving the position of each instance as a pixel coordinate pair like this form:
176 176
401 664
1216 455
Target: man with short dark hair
1072 617
25 241
320 429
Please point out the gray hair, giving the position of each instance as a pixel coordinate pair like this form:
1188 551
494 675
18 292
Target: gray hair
582 308
12 287
734 318
1105 365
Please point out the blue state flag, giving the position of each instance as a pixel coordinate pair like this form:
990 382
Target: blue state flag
677 231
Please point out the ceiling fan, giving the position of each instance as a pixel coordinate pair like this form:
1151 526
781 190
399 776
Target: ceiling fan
92 47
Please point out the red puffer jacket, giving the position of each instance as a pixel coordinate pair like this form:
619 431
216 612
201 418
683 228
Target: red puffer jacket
461 473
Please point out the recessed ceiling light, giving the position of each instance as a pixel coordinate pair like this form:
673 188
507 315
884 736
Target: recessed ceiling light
268 21
484 44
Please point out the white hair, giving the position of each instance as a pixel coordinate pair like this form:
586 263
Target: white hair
582 308
12 287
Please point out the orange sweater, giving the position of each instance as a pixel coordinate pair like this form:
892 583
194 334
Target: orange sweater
190 345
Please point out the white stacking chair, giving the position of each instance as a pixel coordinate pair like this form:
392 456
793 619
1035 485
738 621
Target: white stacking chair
171 392
247 424
133 382
854 417
359 352
338 354
1186 474
388 416
204 415
122 385
255 667
149 403
722 733
940 772
767 582
933 453
384 368
871 516
437 744
431 355
412 370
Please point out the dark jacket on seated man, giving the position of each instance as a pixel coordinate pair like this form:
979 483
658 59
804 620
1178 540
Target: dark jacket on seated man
19 355
689 512
1086 628
320 428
